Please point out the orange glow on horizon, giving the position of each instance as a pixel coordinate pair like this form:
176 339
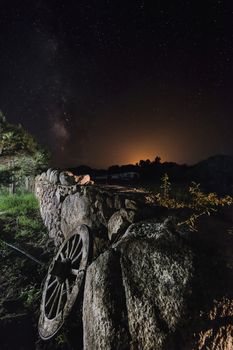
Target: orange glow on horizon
135 157
142 148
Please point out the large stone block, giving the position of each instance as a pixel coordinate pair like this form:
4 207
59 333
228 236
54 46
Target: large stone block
75 211
139 288
117 224
104 308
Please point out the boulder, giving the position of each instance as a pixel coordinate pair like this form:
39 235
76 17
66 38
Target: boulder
66 179
48 173
131 204
82 179
136 293
130 215
117 224
42 177
54 177
75 210
104 308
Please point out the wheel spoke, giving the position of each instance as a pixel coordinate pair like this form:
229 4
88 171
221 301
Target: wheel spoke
62 256
60 298
54 302
51 284
72 246
75 250
67 288
78 256
52 295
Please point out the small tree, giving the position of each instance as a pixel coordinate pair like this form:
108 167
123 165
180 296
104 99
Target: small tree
26 156
15 139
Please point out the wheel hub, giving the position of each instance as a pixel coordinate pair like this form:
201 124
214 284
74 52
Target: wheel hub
61 269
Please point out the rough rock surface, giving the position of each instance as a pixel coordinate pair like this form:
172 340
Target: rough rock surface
66 180
117 224
75 210
161 290
104 310
136 294
66 201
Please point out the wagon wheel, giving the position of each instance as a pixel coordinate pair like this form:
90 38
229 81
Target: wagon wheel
64 281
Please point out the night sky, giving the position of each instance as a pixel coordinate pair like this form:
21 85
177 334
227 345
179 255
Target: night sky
113 82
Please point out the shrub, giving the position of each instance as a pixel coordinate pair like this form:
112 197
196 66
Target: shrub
199 202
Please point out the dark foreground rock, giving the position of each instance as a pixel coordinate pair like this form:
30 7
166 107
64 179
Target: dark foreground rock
157 289
104 310
136 294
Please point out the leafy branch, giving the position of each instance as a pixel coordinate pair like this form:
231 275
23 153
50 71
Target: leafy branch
199 202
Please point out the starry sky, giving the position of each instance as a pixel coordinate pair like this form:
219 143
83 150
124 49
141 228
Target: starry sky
112 82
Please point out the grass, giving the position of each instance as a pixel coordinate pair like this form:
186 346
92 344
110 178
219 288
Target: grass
20 278
21 225
19 214
19 204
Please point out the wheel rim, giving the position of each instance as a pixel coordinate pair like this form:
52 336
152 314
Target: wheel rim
64 281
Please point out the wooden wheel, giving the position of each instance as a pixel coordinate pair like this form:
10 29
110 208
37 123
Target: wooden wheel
64 281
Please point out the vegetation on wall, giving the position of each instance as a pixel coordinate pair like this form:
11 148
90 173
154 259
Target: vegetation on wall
193 198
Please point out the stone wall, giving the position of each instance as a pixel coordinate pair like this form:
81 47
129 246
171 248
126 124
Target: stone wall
106 210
